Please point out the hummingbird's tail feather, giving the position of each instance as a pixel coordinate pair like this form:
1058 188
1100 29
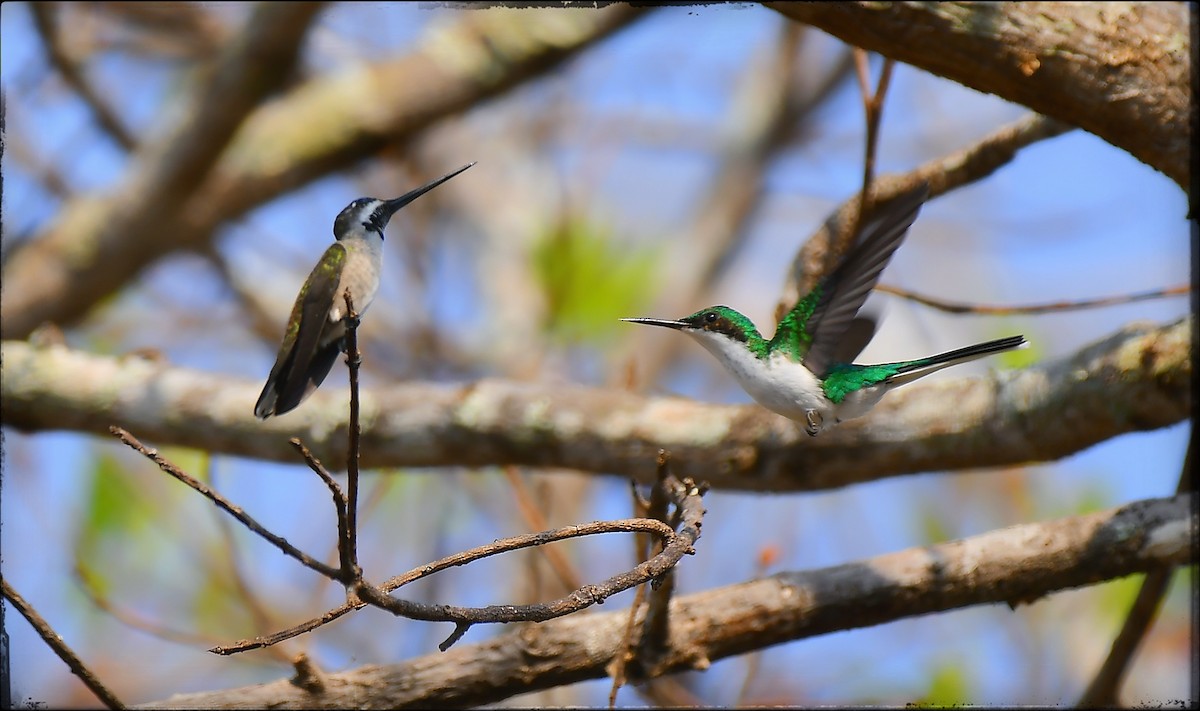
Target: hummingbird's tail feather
910 371
291 385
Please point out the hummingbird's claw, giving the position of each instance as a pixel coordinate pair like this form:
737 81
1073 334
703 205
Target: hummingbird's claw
814 420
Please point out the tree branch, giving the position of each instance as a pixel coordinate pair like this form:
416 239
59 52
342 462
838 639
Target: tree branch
1137 379
1118 71
325 125
1013 565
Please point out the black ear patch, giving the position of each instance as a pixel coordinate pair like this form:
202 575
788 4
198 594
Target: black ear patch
716 322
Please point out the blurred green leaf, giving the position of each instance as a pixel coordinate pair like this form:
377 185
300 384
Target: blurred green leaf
947 686
590 280
933 526
1021 357
115 506
217 607
194 462
1115 599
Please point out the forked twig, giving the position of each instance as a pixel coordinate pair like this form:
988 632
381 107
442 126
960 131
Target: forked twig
678 545
235 511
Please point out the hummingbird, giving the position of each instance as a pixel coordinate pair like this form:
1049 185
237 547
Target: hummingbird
805 371
316 329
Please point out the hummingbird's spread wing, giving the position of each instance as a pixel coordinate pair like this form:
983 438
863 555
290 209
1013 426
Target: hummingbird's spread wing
815 326
306 354
859 333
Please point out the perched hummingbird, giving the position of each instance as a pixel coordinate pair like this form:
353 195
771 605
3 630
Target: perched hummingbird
316 330
805 371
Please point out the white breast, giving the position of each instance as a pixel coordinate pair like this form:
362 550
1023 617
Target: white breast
361 273
778 384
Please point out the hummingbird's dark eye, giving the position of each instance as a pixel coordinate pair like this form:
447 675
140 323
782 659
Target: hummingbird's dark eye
710 317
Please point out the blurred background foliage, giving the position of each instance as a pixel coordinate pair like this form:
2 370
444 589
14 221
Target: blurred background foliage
595 184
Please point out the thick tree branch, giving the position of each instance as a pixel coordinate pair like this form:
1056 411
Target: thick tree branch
1013 565
1119 71
98 243
325 125
1137 379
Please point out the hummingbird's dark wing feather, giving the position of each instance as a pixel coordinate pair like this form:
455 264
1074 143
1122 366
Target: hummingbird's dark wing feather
859 333
833 304
309 348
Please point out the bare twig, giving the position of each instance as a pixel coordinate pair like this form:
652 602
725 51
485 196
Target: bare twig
222 502
350 569
499 546
566 573
1053 307
655 629
339 505
873 111
678 544
653 634
60 647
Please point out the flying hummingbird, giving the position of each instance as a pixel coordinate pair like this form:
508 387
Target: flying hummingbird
805 371
316 329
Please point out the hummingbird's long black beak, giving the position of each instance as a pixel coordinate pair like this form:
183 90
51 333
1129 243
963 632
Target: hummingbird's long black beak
669 323
391 206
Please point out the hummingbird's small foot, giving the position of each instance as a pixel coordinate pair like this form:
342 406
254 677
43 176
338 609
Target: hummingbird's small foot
814 420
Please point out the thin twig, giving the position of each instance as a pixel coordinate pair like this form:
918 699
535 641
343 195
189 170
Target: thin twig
1051 307
653 638
60 647
350 569
873 112
339 505
627 651
679 544
231 509
534 519
457 559
656 626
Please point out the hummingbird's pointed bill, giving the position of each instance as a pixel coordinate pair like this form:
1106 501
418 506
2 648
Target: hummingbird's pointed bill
391 207
669 323
316 330
800 372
